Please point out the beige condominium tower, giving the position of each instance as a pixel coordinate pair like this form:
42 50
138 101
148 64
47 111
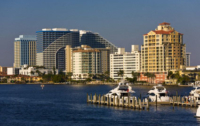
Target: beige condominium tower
162 49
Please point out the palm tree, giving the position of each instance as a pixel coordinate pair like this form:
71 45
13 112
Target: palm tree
69 74
32 72
198 76
185 79
120 73
147 74
137 75
38 72
153 76
54 70
90 75
170 73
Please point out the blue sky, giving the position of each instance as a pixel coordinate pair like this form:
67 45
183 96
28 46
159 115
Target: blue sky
121 22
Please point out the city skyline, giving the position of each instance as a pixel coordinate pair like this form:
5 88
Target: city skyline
131 19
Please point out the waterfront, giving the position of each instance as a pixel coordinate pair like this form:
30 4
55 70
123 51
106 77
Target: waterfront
66 105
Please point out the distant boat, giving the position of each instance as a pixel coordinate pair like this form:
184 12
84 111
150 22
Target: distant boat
42 86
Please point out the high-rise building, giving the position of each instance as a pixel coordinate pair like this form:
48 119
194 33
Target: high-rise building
68 58
94 40
25 50
126 61
84 60
162 49
51 45
188 58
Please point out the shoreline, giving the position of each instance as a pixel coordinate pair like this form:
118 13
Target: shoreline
88 84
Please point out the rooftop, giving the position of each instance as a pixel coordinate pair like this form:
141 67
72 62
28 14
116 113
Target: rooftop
164 23
26 37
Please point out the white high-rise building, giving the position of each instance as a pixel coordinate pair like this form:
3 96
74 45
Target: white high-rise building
126 61
188 58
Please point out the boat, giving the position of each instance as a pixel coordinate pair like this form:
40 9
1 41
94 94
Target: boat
160 92
195 94
122 90
42 86
198 112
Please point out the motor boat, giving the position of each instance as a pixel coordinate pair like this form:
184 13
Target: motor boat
198 112
195 94
159 91
122 90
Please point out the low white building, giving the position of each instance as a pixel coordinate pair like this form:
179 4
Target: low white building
12 71
192 67
126 61
32 71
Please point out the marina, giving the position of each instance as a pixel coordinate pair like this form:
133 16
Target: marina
135 103
123 96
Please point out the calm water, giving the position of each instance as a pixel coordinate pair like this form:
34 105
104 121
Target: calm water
64 105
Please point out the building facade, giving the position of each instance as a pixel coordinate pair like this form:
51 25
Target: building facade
94 40
84 60
126 61
33 71
162 49
51 45
188 58
12 71
25 50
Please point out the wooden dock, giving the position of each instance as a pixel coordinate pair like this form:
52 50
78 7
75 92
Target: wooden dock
128 102
181 101
137 103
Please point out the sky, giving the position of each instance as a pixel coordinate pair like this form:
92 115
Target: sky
122 22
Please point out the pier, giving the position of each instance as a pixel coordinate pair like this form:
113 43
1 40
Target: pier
137 103
182 101
128 102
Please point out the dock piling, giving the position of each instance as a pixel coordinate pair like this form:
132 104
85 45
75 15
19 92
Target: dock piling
87 98
123 101
156 100
148 103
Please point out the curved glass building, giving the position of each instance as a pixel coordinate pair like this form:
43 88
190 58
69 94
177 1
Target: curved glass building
51 44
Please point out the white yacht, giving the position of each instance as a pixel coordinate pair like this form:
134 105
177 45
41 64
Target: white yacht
195 94
123 89
159 91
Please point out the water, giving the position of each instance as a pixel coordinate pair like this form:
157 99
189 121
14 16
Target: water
65 105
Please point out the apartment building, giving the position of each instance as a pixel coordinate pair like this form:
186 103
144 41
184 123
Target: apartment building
84 60
162 50
126 61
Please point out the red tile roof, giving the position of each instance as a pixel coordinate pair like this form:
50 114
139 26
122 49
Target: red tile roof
163 32
164 23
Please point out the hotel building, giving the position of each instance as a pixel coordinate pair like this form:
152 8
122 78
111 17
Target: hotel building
162 49
25 50
126 61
